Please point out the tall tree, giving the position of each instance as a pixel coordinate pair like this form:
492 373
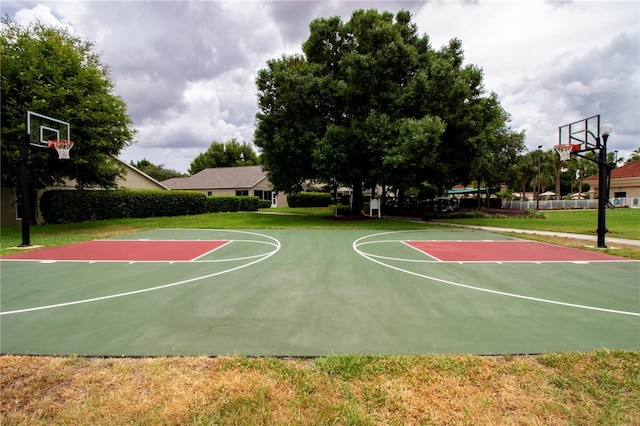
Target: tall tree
53 72
369 100
635 156
229 154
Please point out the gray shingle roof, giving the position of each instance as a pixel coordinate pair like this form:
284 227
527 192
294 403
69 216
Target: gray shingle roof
220 178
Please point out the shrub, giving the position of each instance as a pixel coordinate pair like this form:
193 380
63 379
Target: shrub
230 203
67 206
472 214
264 204
536 214
309 199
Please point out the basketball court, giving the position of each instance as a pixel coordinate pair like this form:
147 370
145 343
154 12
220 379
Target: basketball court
314 293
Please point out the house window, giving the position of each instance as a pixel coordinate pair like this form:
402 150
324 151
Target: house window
242 193
620 194
263 195
209 193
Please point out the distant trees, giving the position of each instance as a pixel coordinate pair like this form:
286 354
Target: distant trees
229 154
157 171
370 102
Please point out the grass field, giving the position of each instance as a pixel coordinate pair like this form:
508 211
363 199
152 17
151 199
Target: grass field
622 223
601 387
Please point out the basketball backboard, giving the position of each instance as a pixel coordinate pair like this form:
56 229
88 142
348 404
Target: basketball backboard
585 133
42 129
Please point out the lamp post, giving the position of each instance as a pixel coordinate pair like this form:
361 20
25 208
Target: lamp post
538 180
603 171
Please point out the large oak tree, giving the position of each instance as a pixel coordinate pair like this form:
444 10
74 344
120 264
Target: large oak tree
371 102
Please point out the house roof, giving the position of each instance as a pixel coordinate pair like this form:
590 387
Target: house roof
220 178
140 172
626 171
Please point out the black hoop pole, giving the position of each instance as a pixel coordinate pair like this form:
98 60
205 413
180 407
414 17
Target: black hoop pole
24 192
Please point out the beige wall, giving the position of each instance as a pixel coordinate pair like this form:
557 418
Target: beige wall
629 185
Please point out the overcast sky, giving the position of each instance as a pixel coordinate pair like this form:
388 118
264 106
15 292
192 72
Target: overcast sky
187 69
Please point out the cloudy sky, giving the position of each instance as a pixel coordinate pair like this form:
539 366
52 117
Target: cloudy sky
187 69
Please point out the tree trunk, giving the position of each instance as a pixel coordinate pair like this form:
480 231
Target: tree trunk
356 200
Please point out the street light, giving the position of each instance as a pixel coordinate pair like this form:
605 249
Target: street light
603 172
538 180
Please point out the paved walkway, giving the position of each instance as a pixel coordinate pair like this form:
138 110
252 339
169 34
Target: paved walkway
592 238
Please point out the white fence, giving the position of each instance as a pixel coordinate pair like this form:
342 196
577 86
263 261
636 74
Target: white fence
570 204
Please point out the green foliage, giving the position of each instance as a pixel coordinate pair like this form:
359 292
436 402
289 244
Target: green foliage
309 199
59 206
371 102
230 154
79 206
472 214
536 214
158 172
50 71
228 203
635 156
264 204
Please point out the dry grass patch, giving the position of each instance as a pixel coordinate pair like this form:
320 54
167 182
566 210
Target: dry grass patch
561 389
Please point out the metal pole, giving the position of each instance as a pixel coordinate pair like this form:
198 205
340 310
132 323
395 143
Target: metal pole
538 183
24 192
603 196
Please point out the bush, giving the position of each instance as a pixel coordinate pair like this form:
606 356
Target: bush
230 203
473 214
264 204
67 206
309 199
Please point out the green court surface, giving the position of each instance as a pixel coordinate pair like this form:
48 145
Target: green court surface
314 293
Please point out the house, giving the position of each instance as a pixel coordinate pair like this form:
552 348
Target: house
132 179
238 181
624 189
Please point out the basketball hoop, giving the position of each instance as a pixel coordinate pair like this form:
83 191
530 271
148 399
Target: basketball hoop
564 151
63 147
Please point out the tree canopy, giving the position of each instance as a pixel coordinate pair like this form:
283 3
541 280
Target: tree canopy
370 102
157 171
52 72
229 154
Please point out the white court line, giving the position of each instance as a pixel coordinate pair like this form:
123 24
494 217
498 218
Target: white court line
226 242
421 251
197 260
277 246
470 287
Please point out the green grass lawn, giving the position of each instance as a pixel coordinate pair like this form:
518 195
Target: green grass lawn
622 223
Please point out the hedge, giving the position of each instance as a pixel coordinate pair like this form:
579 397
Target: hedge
228 203
309 199
67 206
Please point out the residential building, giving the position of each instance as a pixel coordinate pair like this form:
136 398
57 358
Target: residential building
238 181
624 189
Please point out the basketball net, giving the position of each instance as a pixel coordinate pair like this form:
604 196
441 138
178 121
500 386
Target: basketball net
564 151
62 147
